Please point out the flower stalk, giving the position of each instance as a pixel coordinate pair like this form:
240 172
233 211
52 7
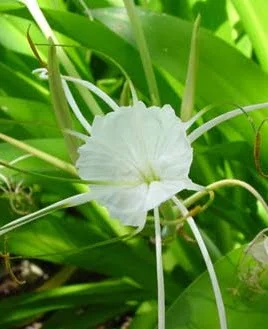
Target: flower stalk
225 183
208 262
159 267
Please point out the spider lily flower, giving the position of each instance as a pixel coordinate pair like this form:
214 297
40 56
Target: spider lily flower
258 247
135 158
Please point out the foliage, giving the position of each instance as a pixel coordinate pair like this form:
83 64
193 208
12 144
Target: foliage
110 281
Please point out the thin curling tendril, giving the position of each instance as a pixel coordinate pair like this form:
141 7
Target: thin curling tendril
34 49
196 210
6 258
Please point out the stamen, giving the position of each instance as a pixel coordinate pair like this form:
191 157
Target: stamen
160 275
209 264
221 118
108 100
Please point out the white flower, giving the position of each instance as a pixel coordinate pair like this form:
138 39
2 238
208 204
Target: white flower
139 158
258 248
135 159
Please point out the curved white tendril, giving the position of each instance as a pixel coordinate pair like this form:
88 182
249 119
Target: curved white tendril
41 72
108 100
198 115
20 158
221 118
208 262
72 201
76 134
43 75
190 122
75 108
159 267
4 178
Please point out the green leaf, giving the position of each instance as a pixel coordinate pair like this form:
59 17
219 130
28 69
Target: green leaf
59 239
18 84
86 317
224 76
255 20
98 295
145 317
35 117
195 307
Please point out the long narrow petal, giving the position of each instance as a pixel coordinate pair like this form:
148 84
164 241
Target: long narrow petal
76 134
66 203
188 124
71 101
43 75
209 264
108 100
221 118
160 275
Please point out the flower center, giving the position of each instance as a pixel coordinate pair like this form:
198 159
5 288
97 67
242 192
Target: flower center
150 176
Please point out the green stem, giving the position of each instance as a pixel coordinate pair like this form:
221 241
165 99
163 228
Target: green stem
144 51
160 273
225 183
208 262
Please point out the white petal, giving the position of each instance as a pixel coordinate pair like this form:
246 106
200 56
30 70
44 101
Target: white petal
160 192
123 203
100 162
259 251
136 219
139 158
